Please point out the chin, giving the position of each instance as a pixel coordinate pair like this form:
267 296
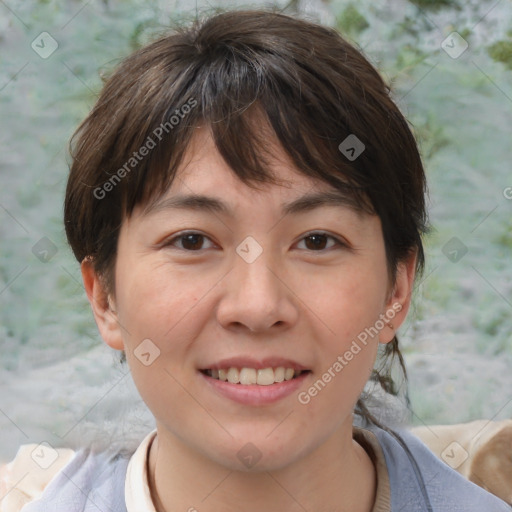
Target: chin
258 454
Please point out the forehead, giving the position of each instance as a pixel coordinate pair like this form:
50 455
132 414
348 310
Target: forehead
202 161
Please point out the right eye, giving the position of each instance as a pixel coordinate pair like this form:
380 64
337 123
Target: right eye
191 241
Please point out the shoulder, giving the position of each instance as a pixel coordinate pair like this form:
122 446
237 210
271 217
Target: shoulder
419 481
40 475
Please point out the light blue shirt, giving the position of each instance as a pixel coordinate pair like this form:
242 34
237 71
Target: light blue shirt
419 482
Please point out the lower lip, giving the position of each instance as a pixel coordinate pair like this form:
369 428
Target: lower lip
254 394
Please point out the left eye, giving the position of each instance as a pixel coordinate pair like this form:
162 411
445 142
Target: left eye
318 241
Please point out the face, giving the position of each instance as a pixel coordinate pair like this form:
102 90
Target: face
201 289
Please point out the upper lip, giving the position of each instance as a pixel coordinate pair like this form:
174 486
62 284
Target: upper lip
258 364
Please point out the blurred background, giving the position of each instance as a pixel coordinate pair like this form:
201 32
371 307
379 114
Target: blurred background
449 64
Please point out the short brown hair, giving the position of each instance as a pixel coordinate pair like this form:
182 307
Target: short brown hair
312 88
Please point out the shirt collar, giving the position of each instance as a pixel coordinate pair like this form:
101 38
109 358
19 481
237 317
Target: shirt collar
136 489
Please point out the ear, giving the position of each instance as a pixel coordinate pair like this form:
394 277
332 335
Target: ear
399 300
102 306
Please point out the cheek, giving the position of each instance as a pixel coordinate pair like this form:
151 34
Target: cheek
155 299
347 300
348 304
156 304
162 304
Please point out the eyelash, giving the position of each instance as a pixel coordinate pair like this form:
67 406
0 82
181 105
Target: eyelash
338 242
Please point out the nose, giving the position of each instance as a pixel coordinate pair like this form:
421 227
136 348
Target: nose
258 296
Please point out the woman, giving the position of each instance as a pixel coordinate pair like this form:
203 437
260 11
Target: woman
247 204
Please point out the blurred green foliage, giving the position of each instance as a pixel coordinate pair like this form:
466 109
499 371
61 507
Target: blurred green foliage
350 21
435 4
501 51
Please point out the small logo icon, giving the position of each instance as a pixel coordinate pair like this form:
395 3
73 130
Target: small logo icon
44 455
351 147
454 45
454 455
44 250
44 45
249 250
146 352
454 249
249 455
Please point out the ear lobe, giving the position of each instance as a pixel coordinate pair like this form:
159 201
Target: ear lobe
102 306
399 300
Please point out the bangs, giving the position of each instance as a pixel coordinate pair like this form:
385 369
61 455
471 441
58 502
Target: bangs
248 142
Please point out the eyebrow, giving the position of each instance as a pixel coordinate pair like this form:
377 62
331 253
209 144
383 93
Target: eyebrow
305 203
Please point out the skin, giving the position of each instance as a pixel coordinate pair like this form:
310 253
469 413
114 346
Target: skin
295 301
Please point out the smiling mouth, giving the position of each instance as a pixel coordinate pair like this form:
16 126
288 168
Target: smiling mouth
251 376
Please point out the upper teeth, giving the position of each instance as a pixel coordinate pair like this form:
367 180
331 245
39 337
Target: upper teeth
263 377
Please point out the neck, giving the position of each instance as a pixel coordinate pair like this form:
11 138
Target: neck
338 475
